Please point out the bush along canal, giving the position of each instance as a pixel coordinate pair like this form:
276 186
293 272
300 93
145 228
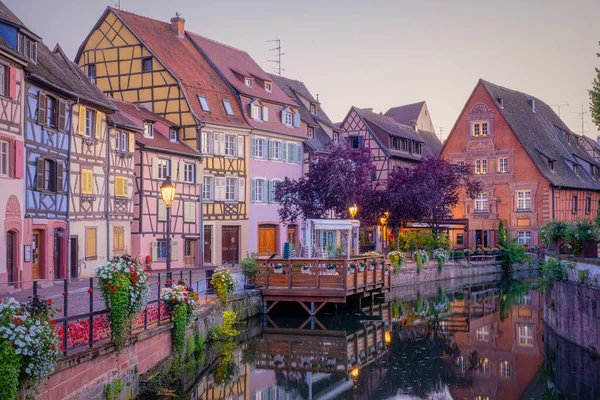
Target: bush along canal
475 340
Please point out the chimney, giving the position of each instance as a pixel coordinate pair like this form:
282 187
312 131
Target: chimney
178 25
531 103
500 102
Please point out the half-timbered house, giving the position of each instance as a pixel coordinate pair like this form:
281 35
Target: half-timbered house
12 91
160 154
319 130
142 60
533 168
276 141
418 117
393 145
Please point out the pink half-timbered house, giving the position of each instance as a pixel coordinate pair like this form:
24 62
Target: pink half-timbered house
12 92
160 154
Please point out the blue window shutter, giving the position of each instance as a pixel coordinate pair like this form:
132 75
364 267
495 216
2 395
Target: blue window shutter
269 191
284 155
361 141
299 158
253 147
269 149
265 188
296 120
253 190
282 113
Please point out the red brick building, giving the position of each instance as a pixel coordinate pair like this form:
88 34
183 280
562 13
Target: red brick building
532 166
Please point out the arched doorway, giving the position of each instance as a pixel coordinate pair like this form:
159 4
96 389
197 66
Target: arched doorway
10 257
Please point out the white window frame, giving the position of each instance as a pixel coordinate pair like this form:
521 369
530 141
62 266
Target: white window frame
208 188
288 118
260 148
311 132
525 335
477 128
259 195
161 243
313 108
189 173
523 200
3 80
231 182
90 122
249 82
524 238
203 103
277 149
258 113
483 333
149 130
173 135
503 165
481 203
4 158
481 166
268 87
208 143
460 163
505 369
122 141
164 168
230 141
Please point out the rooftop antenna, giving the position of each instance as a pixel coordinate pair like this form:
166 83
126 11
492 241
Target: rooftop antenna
278 55
441 131
117 3
558 106
582 116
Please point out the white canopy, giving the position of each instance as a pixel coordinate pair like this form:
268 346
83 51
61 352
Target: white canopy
333 224
351 226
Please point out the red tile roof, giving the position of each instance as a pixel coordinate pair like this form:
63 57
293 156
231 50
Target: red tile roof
138 114
274 123
405 114
194 72
234 64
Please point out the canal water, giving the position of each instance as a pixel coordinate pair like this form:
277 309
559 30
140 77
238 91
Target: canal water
463 340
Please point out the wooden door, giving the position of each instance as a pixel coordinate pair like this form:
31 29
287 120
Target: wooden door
74 257
10 256
208 244
267 240
189 253
230 244
36 255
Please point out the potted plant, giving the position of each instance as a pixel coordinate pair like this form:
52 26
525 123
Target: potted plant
361 266
441 256
468 254
331 269
488 251
421 259
250 267
278 268
373 265
351 268
304 268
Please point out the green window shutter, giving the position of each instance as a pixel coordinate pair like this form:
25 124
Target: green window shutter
291 153
269 149
299 157
283 116
284 152
266 191
296 120
269 191
265 113
253 190
254 147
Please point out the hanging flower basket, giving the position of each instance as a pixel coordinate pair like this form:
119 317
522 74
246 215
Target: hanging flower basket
278 268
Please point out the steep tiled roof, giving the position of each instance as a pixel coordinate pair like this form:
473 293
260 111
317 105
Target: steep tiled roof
406 113
543 135
160 142
55 69
293 89
181 57
121 120
274 122
433 145
388 125
234 64
4 46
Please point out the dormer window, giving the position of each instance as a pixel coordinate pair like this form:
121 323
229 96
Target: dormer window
313 108
203 103
311 132
149 130
228 108
27 47
288 118
336 137
173 135
551 164
249 82
268 87
258 111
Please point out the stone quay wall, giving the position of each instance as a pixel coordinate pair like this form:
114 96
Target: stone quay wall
572 311
85 374
452 271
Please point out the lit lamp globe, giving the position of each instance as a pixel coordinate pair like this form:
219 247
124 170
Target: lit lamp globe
388 337
354 372
352 210
167 191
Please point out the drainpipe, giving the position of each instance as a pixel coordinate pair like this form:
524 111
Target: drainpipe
69 261
553 215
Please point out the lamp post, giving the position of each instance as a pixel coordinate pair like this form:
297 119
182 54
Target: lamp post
167 191
352 210
383 220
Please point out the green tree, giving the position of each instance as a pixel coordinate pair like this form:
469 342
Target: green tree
595 97
501 233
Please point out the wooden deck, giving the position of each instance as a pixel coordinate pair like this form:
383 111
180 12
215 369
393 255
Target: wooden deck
322 281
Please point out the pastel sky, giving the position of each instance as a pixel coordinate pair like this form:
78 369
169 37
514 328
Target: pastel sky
381 54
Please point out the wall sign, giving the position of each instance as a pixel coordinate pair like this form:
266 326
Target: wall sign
27 255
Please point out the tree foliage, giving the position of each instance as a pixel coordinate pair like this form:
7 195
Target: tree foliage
334 181
594 93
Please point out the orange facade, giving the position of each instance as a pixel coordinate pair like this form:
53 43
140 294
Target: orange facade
513 189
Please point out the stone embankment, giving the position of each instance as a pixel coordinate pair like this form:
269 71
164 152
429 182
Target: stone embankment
84 375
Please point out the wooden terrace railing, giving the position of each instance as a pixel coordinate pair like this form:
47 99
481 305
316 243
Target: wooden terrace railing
323 277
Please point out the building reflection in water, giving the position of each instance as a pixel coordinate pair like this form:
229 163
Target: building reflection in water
478 343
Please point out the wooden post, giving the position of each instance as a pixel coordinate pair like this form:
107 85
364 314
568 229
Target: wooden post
318 274
289 268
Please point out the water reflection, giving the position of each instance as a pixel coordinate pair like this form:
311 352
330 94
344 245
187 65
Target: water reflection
475 342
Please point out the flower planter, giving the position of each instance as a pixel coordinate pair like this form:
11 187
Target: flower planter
305 271
590 249
351 271
277 270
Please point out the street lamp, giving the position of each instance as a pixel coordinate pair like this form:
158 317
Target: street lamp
352 210
384 220
167 191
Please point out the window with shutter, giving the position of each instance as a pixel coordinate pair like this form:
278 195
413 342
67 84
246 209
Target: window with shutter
240 146
131 138
41 109
118 240
270 149
162 210
87 177
189 211
207 188
12 83
299 154
269 191
98 125
60 182
174 250
241 189
291 152
4 158
81 120
265 112
39 175
62 111
90 243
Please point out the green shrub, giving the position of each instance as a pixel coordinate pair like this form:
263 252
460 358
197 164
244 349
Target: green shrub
226 331
250 266
583 276
513 254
